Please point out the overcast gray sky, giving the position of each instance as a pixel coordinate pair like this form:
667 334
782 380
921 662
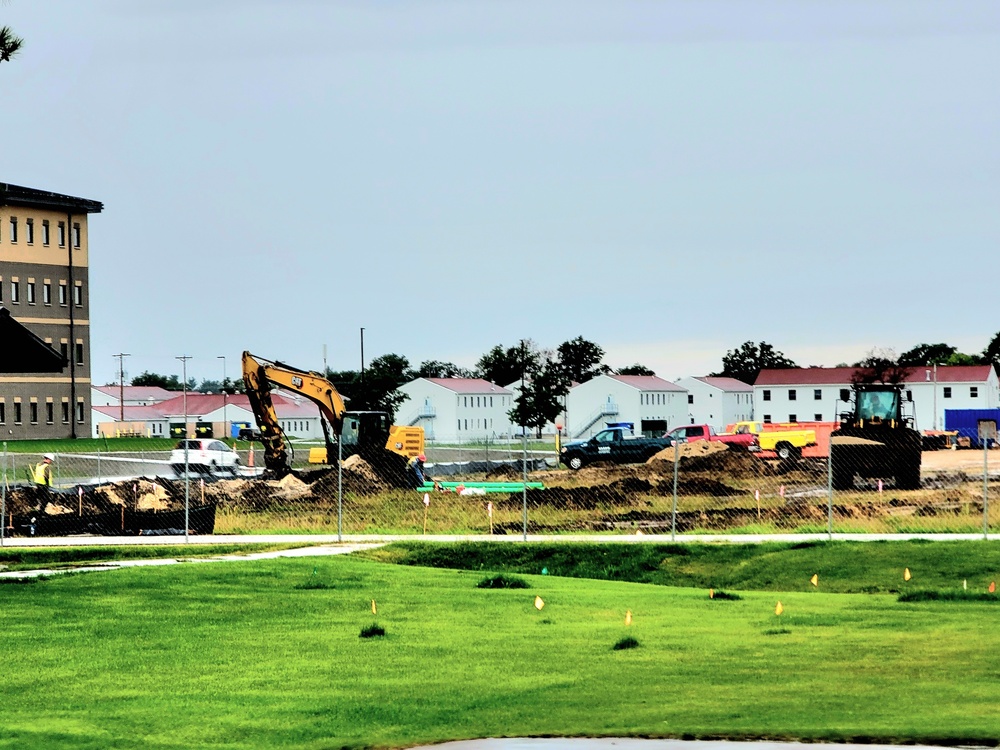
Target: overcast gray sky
668 179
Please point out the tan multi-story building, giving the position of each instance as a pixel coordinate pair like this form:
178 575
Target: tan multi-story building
44 284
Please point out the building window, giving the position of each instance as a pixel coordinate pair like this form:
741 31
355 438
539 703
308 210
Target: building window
76 235
792 394
817 417
29 231
62 238
793 418
33 412
17 412
767 418
78 295
13 229
973 391
909 395
947 391
3 412
65 412
64 349
45 231
79 411
766 395
62 293
49 412
1 288
15 291
817 394
845 394
690 398
31 291
79 352
47 292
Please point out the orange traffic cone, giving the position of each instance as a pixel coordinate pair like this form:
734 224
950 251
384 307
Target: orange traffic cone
250 457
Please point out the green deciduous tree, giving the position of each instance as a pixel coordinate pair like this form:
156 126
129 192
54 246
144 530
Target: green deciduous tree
992 351
926 354
540 400
635 369
880 366
580 360
504 366
434 369
10 43
167 382
746 362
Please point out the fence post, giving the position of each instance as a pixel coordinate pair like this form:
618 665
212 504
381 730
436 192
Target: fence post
99 465
340 489
3 497
524 482
986 495
829 491
673 512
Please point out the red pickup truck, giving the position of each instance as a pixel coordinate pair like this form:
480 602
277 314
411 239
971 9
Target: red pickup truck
692 432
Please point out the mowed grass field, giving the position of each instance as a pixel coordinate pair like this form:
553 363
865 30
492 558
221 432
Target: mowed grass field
267 654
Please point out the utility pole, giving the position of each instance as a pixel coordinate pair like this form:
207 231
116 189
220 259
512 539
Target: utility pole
225 400
121 386
364 397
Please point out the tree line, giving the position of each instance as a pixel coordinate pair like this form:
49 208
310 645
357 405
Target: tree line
548 374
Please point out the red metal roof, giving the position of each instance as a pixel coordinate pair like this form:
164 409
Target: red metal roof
475 386
842 375
646 382
726 384
132 413
137 392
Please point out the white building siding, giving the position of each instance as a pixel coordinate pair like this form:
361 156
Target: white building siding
604 399
451 417
708 404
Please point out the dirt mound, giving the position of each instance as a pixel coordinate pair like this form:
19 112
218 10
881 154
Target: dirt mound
359 478
688 450
504 471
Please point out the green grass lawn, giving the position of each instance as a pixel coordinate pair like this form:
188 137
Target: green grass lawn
267 654
31 558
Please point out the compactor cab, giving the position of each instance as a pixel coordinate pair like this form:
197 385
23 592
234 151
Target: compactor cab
876 440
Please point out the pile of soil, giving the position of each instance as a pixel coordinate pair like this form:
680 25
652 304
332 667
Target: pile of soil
503 471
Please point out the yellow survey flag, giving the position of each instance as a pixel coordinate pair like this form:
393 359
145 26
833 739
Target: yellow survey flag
993 587
815 579
779 609
628 617
374 608
906 574
539 603
711 593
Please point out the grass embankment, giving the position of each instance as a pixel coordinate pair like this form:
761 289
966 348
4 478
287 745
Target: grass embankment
267 654
31 558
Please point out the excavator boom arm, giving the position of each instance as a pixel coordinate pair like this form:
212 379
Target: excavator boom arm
258 375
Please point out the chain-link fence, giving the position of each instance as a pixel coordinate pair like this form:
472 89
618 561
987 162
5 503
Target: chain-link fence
858 485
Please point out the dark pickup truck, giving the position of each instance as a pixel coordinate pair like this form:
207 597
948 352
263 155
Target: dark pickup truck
615 444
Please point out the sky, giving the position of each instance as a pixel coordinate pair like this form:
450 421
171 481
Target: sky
666 178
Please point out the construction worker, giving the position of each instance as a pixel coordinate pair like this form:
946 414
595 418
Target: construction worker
42 476
415 471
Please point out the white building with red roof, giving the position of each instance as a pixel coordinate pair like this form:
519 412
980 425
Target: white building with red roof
717 401
133 395
456 410
208 415
652 404
816 394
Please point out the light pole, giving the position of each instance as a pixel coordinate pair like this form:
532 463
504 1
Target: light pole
187 478
226 429
121 387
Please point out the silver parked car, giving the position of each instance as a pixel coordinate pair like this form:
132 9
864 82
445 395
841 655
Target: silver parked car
204 456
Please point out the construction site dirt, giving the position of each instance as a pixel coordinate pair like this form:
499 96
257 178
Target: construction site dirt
717 489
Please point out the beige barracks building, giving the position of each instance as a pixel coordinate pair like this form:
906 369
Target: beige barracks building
44 285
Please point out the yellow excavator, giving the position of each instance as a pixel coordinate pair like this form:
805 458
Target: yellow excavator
366 433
